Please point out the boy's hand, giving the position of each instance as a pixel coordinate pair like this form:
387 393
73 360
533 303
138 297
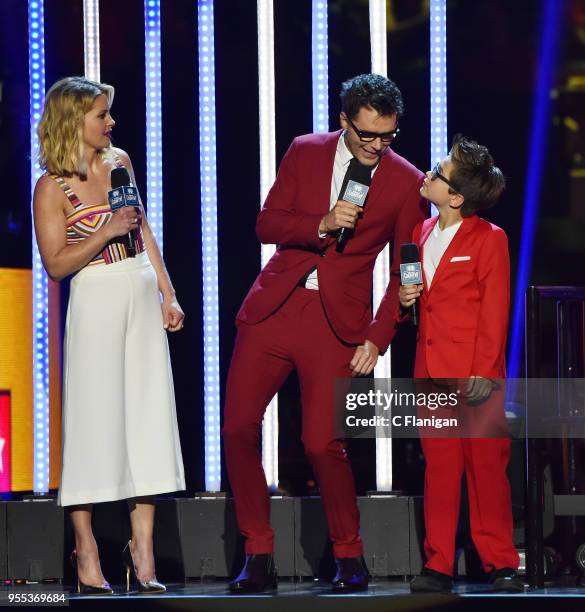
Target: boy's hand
478 389
408 294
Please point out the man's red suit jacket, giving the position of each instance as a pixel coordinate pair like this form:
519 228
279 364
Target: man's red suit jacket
290 218
463 319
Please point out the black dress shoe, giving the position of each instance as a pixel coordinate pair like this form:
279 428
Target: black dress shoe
506 580
431 581
257 575
352 575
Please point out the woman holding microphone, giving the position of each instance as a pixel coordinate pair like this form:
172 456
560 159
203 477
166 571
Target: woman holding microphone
119 428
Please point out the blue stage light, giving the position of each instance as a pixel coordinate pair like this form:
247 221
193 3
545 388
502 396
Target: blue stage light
40 281
551 21
91 39
383 369
154 178
378 46
267 176
208 177
438 81
320 69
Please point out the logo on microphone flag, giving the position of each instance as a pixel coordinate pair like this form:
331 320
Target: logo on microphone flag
355 193
123 196
411 273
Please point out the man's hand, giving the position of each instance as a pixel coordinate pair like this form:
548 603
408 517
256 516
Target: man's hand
478 389
408 294
364 359
343 214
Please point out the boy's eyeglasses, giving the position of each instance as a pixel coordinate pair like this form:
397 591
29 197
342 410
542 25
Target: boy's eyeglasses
436 174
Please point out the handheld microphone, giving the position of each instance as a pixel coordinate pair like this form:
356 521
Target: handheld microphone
356 185
123 194
411 273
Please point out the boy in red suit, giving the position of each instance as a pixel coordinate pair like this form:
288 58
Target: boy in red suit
464 305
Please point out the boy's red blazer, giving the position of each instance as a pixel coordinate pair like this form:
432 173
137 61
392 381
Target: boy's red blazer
463 319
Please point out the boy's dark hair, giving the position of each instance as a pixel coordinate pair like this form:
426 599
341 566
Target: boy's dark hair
372 90
479 180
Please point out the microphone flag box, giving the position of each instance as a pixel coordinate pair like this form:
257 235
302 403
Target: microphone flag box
122 196
411 273
355 193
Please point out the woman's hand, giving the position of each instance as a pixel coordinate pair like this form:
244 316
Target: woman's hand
173 315
407 294
123 221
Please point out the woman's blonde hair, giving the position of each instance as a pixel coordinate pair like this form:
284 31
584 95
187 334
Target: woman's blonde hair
60 129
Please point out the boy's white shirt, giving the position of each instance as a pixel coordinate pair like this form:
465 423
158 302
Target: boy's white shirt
435 246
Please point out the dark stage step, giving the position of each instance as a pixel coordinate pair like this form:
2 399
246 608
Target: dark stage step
383 595
198 538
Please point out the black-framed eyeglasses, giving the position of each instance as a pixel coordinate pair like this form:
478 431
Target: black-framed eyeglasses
386 137
436 174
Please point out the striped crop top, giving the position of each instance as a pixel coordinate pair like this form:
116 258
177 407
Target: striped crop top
87 219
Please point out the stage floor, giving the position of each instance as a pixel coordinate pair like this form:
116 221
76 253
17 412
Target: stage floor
308 596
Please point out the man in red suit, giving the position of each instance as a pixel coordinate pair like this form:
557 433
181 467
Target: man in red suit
310 310
464 305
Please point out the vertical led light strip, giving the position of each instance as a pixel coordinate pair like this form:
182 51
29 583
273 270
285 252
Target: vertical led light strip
91 38
382 268
320 66
152 64
378 47
267 176
438 76
208 170
40 289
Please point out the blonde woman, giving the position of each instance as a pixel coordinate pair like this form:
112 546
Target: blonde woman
120 437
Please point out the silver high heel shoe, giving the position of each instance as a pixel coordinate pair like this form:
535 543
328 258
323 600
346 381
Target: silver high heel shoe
151 586
88 589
